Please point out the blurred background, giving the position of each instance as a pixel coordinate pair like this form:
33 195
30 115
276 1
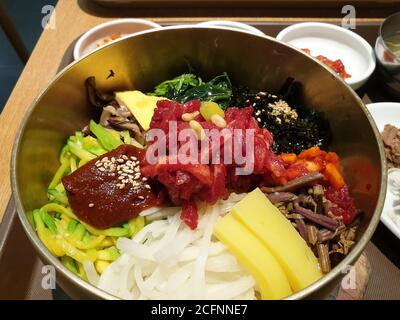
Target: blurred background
24 18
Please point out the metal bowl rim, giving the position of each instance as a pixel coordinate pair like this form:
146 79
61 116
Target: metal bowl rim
381 37
45 253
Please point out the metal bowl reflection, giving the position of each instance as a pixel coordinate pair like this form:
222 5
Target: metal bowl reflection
143 60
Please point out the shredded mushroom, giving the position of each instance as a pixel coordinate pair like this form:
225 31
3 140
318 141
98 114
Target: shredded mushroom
113 115
303 203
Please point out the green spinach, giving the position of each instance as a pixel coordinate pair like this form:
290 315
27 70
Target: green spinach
189 86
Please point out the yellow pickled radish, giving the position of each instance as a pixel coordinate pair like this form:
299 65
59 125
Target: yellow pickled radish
270 226
209 108
271 280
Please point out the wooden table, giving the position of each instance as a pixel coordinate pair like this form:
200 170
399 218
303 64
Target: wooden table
54 50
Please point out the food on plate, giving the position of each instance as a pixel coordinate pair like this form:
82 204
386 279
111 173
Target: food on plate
140 105
394 189
189 87
188 192
108 39
335 65
113 114
167 260
325 217
255 257
266 227
294 127
391 141
267 223
110 189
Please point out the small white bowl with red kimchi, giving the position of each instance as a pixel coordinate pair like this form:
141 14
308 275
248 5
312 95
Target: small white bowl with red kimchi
346 53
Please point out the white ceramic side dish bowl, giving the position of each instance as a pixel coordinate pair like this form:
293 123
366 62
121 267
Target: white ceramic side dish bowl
388 113
334 42
89 40
232 24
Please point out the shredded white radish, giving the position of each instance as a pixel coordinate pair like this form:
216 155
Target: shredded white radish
91 272
150 211
160 214
199 281
167 260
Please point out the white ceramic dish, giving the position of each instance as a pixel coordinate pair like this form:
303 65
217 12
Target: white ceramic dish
388 113
334 42
88 41
231 24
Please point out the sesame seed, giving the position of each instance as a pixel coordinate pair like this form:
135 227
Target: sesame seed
102 169
137 169
91 205
120 177
124 157
119 160
144 179
122 185
141 197
147 186
259 119
133 158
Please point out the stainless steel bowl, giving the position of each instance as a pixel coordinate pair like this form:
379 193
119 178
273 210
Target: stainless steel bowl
388 63
143 60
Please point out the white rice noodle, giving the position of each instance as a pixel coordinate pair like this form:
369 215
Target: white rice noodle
231 289
223 263
199 282
157 213
155 228
150 211
91 272
167 260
